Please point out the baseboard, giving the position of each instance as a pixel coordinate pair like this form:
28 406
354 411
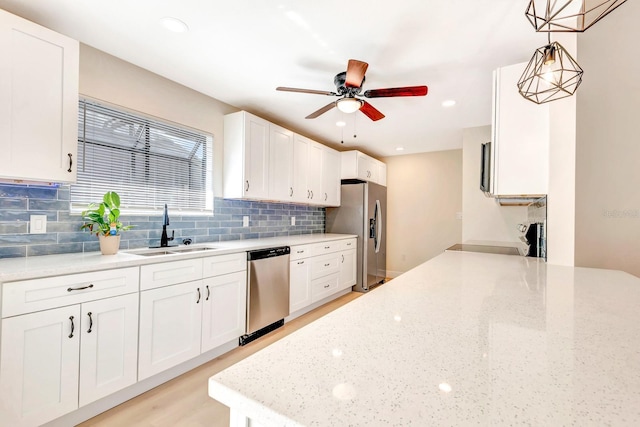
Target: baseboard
393 274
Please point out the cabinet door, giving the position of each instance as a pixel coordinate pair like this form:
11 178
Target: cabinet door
367 168
299 284
347 276
256 157
109 348
382 174
280 163
314 174
39 366
520 148
330 177
170 326
224 311
38 102
300 170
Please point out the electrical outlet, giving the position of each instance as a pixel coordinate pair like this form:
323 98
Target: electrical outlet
458 215
245 221
37 224
293 220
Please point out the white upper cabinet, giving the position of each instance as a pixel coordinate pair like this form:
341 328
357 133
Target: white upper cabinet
357 165
263 161
331 164
281 163
246 156
520 146
38 102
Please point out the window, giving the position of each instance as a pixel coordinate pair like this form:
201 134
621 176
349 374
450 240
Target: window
146 161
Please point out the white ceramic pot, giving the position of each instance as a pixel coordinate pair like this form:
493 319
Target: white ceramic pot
109 244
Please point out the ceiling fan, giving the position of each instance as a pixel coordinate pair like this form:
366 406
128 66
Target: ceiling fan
349 85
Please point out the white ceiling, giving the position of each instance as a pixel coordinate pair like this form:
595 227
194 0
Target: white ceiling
239 51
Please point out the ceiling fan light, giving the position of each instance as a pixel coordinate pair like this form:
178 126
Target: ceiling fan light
348 105
568 15
541 82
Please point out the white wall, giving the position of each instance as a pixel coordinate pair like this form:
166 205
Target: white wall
107 78
608 148
424 194
484 221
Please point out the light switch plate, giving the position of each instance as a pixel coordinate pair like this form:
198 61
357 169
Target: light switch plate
245 221
37 224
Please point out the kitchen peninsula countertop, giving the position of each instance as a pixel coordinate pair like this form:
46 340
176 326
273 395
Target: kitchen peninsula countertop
463 339
12 269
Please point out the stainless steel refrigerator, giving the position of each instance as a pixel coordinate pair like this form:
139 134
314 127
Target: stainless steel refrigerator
362 212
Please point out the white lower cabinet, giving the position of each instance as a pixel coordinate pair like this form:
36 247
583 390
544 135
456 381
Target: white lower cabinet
347 277
170 325
39 366
224 309
318 271
180 321
299 284
108 346
54 361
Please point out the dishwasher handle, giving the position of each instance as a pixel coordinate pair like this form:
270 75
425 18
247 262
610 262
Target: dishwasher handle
268 253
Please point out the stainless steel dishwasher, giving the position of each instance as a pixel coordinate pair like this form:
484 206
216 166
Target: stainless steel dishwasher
267 291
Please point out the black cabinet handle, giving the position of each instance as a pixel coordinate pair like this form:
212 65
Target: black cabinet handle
247 187
73 327
290 191
70 162
208 293
198 302
81 288
90 322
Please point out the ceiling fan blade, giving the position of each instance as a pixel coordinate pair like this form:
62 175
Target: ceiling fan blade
316 92
396 91
355 73
321 111
369 111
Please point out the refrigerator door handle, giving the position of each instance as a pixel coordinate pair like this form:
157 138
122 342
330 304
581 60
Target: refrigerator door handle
378 228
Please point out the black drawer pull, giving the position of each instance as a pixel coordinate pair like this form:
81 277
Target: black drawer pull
90 322
300 262
73 327
326 286
198 302
81 288
208 293
70 162
327 265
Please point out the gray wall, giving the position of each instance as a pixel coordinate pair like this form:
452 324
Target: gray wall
607 226
18 202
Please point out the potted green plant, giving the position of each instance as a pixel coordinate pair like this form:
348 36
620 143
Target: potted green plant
103 220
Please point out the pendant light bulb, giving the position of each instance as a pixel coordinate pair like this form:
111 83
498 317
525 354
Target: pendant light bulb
549 55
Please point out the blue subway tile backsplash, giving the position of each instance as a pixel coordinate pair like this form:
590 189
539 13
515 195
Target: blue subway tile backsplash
19 202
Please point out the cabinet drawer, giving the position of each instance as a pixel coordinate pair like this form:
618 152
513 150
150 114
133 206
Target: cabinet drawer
224 264
347 244
324 265
326 247
301 251
323 287
170 273
40 294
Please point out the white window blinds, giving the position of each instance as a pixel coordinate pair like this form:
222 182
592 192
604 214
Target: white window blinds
146 161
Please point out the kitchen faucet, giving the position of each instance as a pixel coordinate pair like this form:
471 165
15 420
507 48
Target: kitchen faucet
164 240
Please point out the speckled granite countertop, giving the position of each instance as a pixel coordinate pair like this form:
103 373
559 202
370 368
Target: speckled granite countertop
12 269
463 339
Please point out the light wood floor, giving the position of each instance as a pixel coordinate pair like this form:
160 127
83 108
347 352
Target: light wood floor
184 401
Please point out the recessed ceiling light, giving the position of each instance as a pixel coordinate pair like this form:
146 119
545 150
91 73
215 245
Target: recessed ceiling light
448 103
399 148
341 124
173 24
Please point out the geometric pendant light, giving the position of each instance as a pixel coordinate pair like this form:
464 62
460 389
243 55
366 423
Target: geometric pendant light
551 74
568 15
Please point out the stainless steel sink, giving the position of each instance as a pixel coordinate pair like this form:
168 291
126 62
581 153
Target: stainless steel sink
170 251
